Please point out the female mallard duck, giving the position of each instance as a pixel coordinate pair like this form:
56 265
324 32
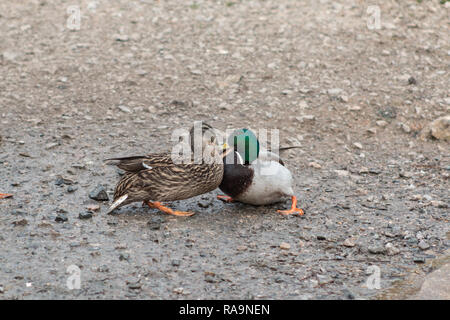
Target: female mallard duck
255 177
155 177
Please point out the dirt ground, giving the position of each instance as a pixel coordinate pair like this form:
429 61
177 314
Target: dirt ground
354 96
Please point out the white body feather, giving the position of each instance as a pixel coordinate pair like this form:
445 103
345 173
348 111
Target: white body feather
271 181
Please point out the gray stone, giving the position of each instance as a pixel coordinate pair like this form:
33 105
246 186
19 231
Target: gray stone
438 129
85 215
99 194
124 257
391 250
124 109
175 263
61 218
423 245
377 250
155 223
71 189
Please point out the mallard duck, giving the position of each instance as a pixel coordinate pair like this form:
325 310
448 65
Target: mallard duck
5 195
155 177
255 176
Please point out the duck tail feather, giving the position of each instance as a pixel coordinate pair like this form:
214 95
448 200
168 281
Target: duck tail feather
287 148
129 164
117 203
125 158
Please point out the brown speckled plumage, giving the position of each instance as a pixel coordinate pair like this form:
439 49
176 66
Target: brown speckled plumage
169 182
156 177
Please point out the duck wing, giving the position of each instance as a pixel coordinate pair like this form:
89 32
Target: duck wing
138 163
169 182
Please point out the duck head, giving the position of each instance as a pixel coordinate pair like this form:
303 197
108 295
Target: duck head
245 143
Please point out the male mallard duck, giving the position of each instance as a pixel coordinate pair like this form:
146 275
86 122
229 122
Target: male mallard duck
155 177
5 195
255 176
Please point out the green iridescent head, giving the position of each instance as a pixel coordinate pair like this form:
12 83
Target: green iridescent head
244 141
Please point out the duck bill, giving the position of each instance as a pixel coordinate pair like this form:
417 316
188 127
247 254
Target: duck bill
226 149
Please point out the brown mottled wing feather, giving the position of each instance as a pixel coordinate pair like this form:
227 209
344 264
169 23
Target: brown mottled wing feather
136 163
170 182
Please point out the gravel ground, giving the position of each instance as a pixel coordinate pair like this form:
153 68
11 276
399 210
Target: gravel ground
375 190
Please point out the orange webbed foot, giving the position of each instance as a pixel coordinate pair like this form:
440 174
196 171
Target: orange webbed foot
225 198
159 206
293 210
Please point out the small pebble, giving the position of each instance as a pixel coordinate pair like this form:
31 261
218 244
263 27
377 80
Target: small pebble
405 174
439 204
93 207
349 243
377 250
18 212
314 165
134 285
423 245
204 204
324 279
178 290
99 194
60 181
22 222
381 123
124 109
85 215
155 223
348 294
285 246
124 256
391 249
175 263
419 259
334 91
61 218
210 278
121 37
103 268
405 128
71 189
